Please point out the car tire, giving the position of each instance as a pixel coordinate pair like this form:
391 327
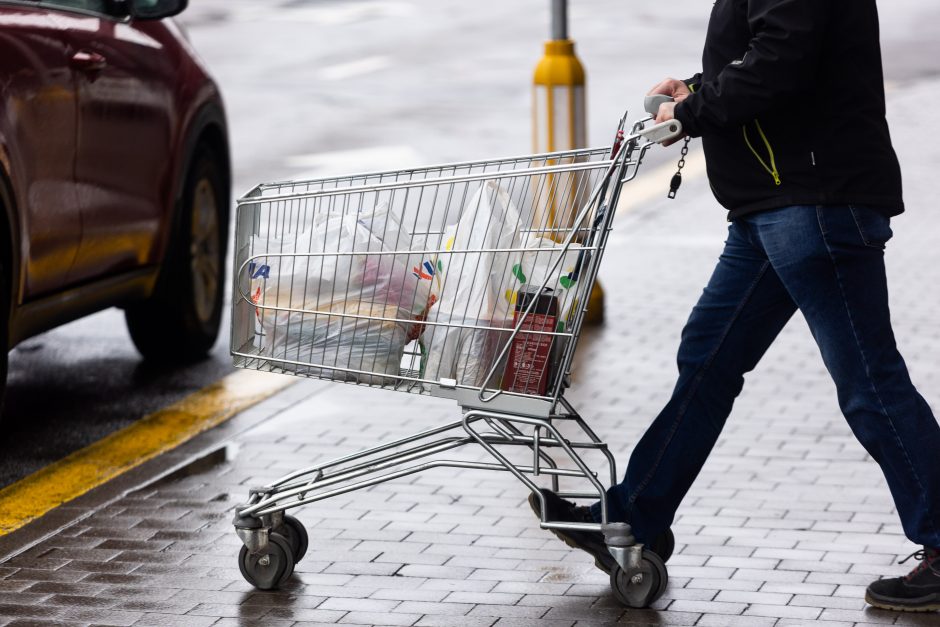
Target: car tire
5 296
180 322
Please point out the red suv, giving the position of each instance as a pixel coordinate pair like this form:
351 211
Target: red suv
114 174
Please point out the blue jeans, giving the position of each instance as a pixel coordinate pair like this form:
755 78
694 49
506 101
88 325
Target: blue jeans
828 262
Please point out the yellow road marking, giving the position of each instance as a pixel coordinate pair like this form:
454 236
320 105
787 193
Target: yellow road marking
90 467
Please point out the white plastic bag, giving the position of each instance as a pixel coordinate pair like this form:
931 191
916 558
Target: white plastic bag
365 344
541 265
475 290
368 302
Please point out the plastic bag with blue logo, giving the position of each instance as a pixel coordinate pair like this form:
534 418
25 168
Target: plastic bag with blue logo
337 299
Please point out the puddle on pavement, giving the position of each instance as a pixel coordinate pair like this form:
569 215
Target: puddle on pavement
203 464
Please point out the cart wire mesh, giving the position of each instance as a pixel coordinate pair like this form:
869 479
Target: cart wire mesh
466 280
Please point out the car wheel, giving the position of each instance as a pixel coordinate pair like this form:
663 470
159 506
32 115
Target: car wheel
180 322
4 332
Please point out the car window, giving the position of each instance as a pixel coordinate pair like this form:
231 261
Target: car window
88 6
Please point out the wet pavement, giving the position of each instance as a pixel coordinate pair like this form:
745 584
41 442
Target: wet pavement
786 525
314 86
73 386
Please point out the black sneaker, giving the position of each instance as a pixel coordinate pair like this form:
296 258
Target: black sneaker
918 591
560 510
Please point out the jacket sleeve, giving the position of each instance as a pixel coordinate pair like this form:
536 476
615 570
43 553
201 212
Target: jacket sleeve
781 59
694 83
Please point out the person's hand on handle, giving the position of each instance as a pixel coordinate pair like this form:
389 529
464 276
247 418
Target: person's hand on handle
667 112
673 88
678 91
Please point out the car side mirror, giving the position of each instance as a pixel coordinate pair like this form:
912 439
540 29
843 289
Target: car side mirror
155 9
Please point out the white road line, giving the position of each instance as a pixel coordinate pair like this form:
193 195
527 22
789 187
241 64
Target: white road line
337 15
357 160
354 68
653 185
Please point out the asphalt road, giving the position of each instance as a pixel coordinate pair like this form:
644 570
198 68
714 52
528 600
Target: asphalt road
319 86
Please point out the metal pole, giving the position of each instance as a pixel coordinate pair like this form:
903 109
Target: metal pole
559 20
559 115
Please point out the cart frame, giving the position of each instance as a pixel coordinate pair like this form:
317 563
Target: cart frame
495 419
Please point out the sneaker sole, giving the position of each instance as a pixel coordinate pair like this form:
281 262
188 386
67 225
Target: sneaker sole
898 605
571 543
597 561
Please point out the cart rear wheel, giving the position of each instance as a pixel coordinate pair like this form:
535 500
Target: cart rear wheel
267 569
295 533
640 587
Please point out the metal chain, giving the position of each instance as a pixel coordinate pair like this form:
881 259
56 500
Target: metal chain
677 177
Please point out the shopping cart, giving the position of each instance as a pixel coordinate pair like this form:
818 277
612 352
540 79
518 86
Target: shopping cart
466 281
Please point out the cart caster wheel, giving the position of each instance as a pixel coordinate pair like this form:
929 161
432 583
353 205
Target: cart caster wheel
271 567
295 533
640 588
664 545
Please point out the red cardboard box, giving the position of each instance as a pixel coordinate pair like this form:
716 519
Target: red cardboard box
528 366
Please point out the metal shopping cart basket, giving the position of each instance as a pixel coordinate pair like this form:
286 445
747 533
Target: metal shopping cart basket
467 281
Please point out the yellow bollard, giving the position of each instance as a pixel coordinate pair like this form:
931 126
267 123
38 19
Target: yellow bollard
559 120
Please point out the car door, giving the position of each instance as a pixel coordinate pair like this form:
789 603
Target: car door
126 110
38 135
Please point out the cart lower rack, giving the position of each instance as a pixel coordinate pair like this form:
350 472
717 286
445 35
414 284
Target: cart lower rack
466 281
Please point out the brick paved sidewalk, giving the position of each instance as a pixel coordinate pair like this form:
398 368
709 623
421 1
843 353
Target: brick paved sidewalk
786 525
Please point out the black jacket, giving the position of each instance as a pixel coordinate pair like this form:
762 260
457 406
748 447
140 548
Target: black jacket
790 106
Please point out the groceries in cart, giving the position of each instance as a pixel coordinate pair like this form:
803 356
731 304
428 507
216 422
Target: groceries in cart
335 298
341 295
492 255
530 353
472 310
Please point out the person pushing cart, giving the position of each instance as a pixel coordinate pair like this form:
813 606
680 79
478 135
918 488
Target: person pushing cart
469 281
790 106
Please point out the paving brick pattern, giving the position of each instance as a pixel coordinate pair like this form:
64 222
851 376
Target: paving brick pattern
786 525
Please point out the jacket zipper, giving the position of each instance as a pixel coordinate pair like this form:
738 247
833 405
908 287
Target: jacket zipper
772 167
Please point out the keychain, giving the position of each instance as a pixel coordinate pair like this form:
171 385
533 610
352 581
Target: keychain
677 177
